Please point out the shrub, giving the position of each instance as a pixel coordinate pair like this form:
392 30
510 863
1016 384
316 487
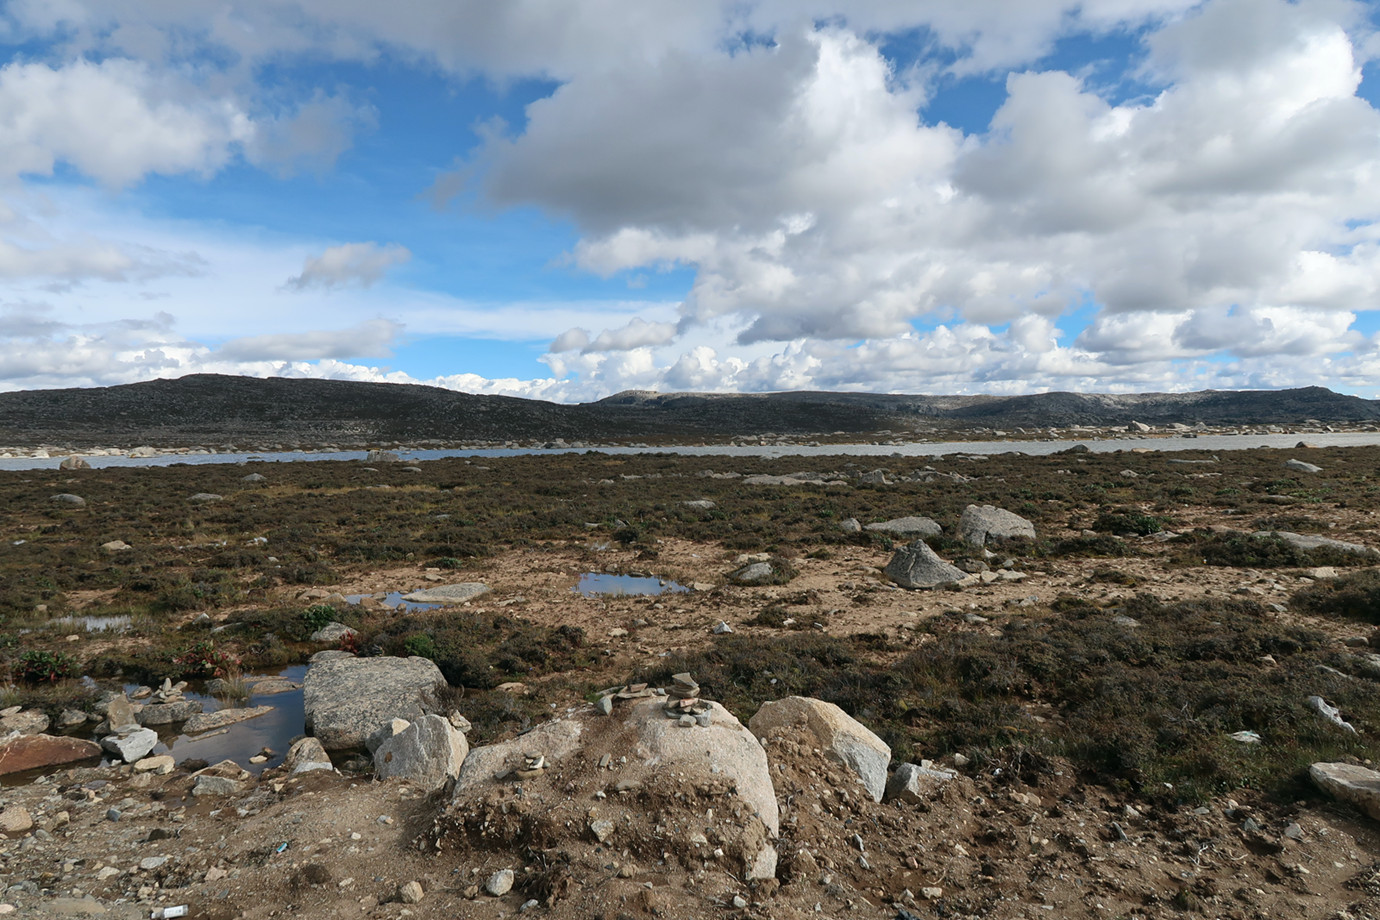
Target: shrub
1355 596
1122 521
36 665
317 616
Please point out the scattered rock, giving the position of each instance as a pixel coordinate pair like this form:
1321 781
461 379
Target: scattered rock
307 755
428 752
116 546
841 737
500 883
448 594
67 498
160 765
215 785
23 722
347 699
908 527
1302 467
169 713
1308 542
332 632
411 893
917 566
722 628
203 497
382 456
1357 785
36 752
917 782
15 819
121 714
131 745
700 504
850 525
254 477
74 463
1330 713
981 524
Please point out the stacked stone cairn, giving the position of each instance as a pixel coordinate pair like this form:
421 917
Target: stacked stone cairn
683 702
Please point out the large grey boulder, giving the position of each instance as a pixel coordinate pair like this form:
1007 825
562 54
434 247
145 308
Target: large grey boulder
67 498
908 527
1349 783
382 456
346 699
841 737
1301 466
428 752
448 594
918 566
1309 542
645 754
131 745
74 463
981 524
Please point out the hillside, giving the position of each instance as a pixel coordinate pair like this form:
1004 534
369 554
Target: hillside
215 409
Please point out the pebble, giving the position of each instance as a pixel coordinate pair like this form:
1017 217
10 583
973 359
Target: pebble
411 893
739 901
723 628
529 905
500 883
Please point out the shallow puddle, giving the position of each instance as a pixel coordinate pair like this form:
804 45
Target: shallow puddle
94 624
241 741
394 600
596 584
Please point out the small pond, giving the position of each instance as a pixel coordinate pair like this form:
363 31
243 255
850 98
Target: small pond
394 600
596 584
241 741
237 742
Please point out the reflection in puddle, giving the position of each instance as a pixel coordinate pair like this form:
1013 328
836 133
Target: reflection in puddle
594 584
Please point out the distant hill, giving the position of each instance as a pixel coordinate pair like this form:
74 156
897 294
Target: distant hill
210 409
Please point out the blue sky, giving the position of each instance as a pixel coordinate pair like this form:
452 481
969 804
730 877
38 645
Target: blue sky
1099 196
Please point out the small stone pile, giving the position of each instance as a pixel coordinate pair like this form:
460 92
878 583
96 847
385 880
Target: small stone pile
684 703
627 692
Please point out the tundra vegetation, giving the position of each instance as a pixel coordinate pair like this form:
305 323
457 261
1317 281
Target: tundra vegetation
1093 662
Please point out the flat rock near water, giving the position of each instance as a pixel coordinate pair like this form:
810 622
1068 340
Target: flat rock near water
33 752
208 721
448 594
347 699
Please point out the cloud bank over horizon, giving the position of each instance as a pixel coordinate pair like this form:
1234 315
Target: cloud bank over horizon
1106 195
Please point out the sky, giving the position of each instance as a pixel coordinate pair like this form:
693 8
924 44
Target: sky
564 199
